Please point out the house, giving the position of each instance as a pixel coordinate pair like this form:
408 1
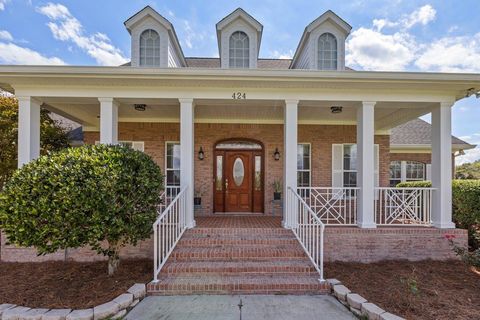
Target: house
229 129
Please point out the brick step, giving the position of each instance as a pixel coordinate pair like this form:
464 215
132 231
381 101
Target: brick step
236 253
224 241
278 267
249 232
250 284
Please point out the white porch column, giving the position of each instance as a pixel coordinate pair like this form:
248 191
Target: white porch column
28 129
289 155
365 164
442 166
187 177
108 121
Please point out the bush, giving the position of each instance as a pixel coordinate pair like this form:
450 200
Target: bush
101 196
466 205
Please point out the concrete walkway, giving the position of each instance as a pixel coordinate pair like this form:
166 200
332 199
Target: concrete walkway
226 308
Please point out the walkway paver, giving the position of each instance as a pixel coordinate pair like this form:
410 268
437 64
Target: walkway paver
223 307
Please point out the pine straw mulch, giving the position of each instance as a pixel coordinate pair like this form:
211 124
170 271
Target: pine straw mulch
422 290
72 285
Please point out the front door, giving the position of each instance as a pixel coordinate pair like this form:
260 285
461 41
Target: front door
238 181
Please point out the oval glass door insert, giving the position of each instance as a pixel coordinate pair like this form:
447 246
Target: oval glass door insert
238 172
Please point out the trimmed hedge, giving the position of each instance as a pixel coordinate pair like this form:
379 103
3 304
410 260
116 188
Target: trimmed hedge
101 196
465 202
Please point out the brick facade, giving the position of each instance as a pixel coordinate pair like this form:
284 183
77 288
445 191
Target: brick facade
345 244
321 138
425 158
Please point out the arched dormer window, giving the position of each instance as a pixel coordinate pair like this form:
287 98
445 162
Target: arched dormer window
327 52
239 50
150 48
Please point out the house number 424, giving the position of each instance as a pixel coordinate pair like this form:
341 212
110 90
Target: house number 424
239 95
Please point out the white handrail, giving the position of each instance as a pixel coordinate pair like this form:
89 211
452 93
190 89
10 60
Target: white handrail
403 206
167 231
307 227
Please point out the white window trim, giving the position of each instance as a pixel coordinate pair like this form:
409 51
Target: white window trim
309 164
166 167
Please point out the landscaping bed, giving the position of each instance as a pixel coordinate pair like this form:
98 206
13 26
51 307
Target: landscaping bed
72 285
414 290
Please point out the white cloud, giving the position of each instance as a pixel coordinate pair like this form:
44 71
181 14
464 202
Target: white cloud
470 156
282 55
422 15
5 35
65 27
13 54
373 50
452 54
3 3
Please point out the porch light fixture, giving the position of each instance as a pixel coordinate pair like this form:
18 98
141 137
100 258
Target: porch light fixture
201 155
336 109
276 155
140 107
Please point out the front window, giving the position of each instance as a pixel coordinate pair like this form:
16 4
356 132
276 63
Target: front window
172 166
239 50
327 52
395 173
150 48
349 165
303 165
404 171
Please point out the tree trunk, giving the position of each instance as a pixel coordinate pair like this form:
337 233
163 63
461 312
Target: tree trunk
113 259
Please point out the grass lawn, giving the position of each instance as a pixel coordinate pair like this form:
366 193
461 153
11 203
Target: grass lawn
68 284
415 290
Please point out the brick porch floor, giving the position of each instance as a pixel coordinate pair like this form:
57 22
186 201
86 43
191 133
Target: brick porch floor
239 221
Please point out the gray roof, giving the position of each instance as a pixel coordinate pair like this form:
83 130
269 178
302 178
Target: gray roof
416 132
262 63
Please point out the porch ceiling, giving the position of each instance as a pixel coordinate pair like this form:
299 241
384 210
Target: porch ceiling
86 111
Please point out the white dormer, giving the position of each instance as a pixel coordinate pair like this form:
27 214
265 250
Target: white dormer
154 41
322 46
239 36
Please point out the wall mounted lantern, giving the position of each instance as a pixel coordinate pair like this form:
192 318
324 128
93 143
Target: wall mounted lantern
276 155
201 154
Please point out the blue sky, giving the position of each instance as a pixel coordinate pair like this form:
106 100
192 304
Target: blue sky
437 35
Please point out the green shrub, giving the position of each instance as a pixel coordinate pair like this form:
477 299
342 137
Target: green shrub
101 196
466 205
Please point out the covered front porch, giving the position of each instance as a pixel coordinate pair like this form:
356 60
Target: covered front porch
331 155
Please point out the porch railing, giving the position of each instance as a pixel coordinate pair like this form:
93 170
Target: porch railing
333 206
403 206
166 197
307 227
167 231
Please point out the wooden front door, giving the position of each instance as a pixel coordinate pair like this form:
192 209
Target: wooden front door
238 181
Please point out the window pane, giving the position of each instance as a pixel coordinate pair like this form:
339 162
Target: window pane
258 173
415 170
150 48
239 50
303 178
349 179
173 177
327 52
238 172
219 177
350 157
396 170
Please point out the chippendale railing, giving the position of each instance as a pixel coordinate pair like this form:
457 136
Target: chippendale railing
307 227
403 206
167 231
333 206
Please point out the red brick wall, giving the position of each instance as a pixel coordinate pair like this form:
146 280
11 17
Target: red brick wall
420 157
370 245
341 244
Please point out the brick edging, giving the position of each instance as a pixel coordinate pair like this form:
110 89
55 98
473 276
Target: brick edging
357 304
115 309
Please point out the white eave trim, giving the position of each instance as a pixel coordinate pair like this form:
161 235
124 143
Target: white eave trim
426 148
